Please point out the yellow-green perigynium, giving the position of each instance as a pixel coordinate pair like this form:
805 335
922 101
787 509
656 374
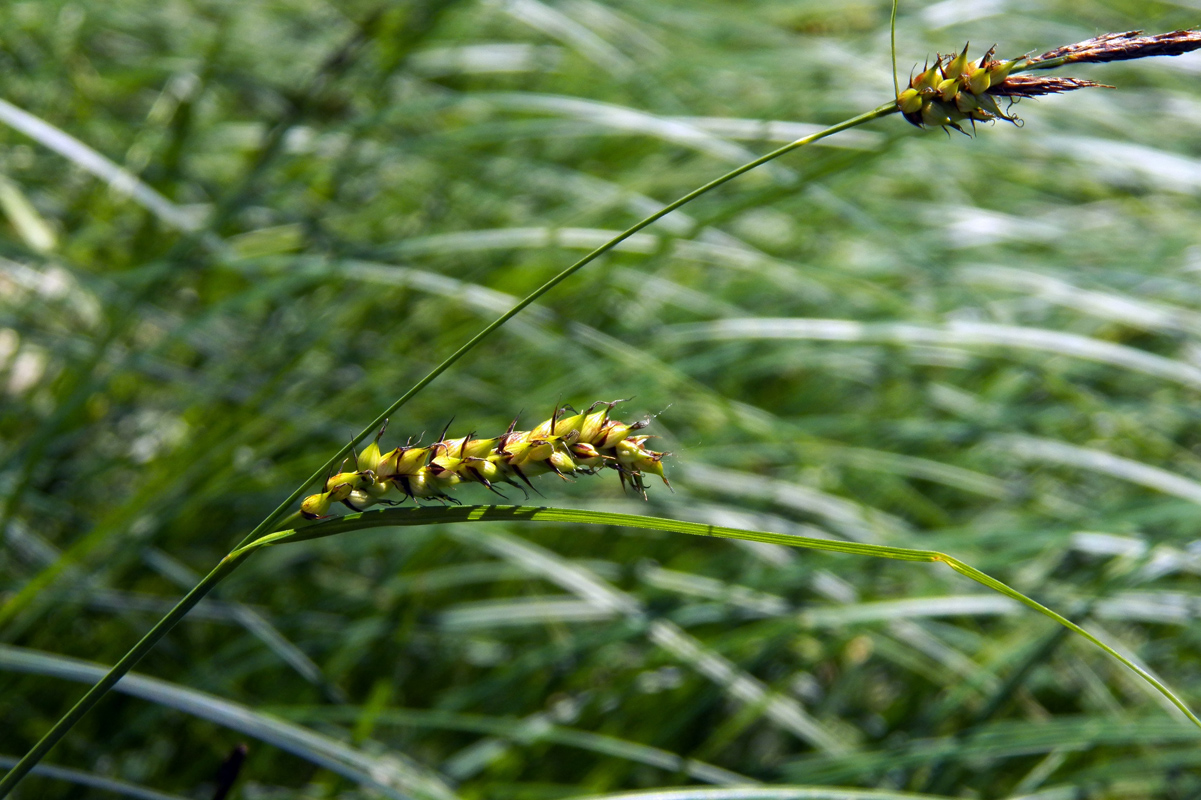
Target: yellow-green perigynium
955 89
567 444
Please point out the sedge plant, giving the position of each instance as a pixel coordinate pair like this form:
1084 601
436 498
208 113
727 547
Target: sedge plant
954 92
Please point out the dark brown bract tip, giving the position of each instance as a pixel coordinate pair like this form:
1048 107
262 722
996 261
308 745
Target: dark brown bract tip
1036 85
1121 47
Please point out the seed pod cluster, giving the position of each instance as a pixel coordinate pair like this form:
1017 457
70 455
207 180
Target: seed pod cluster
954 89
567 444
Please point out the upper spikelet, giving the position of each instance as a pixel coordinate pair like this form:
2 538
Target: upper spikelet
956 88
566 444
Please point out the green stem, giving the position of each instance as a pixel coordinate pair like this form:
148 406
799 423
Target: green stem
30 759
256 537
892 35
1050 63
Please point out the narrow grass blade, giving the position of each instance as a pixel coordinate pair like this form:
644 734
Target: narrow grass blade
529 731
392 775
623 118
771 130
746 689
853 520
92 781
1146 314
1053 452
119 179
765 793
427 516
953 334
558 25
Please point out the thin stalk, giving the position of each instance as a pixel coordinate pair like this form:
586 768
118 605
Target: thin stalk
892 34
256 537
127 662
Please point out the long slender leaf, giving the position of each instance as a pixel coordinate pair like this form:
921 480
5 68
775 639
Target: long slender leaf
427 516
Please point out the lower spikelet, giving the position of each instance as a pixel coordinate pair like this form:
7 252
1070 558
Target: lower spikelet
567 444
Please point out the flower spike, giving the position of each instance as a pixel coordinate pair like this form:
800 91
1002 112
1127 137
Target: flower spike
567 444
955 89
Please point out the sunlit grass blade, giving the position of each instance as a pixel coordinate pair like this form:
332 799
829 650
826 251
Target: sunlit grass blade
953 334
427 516
523 732
119 179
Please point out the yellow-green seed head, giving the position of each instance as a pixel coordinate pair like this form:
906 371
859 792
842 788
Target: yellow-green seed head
513 439
948 89
411 459
594 423
561 462
926 81
361 499
334 480
568 425
386 467
352 479
539 450
565 444
978 79
998 72
614 432
653 464
370 457
958 65
909 101
967 103
453 447
585 455
423 483
479 448
340 492
315 506
443 478
643 459
376 490
628 453
483 470
447 463
989 107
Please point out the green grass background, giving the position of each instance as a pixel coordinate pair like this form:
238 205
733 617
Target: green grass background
233 232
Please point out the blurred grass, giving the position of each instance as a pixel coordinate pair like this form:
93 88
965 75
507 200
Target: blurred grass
348 193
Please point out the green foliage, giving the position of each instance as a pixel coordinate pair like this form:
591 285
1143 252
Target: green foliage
981 346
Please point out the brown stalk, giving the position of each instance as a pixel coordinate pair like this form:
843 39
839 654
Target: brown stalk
1119 47
1036 85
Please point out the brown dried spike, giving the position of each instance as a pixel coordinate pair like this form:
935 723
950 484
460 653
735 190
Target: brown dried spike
1121 47
1036 85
